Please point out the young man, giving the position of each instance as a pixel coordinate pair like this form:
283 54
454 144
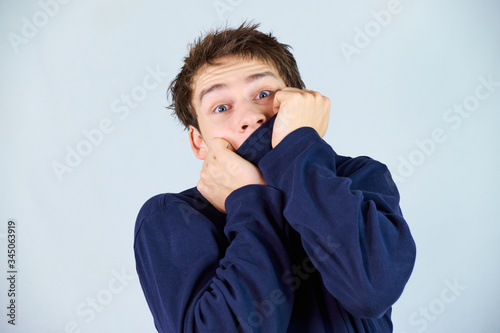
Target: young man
280 234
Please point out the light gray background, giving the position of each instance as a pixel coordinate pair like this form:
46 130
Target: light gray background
75 234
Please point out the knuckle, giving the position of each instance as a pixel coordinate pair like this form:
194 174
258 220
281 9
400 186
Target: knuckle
200 186
328 102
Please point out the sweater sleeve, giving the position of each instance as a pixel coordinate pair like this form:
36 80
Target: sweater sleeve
351 225
198 279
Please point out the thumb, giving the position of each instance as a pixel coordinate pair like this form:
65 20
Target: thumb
278 96
220 144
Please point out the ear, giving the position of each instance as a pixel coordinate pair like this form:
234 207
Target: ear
197 143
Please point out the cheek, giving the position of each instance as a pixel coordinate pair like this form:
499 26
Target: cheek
267 108
219 130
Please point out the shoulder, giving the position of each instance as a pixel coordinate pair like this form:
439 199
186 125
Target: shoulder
167 205
177 211
159 202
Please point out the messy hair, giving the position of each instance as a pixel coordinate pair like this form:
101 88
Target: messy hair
246 42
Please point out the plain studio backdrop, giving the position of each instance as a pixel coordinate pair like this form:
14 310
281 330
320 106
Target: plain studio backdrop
86 140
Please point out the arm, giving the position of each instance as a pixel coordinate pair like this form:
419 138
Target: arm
193 283
351 227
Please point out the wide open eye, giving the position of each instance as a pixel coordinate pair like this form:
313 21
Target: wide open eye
221 108
263 94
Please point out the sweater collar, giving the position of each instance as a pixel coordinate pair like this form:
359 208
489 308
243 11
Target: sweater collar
258 143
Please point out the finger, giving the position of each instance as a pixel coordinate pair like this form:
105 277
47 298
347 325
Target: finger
218 144
282 95
278 96
204 176
291 89
222 149
201 187
227 158
211 156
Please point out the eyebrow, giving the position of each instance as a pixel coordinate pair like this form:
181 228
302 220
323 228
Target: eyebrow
258 76
248 79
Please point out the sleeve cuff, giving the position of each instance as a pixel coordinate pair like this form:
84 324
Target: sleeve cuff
275 163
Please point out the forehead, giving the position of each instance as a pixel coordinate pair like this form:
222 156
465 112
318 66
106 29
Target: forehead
227 69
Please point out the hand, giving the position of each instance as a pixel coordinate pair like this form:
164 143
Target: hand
299 108
224 171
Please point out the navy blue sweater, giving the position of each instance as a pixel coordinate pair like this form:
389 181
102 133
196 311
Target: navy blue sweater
322 248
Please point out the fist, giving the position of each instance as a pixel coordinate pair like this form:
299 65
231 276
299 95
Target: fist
224 171
298 108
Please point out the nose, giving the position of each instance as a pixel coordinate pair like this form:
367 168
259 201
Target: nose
251 120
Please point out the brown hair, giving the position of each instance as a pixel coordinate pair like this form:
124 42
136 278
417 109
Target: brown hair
245 41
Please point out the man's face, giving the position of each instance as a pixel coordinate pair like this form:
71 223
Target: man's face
231 100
